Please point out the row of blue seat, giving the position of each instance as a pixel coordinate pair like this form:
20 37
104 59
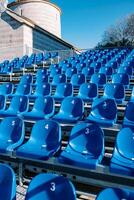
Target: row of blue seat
87 91
85 148
26 61
111 58
43 186
103 110
51 187
78 79
68 70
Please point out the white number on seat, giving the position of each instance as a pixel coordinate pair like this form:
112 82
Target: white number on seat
46 127
13 123
53 187
87 131
73 102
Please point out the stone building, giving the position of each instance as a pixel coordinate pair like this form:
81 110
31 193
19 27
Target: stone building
28 25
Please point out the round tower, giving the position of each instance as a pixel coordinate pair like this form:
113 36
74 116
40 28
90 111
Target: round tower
41 12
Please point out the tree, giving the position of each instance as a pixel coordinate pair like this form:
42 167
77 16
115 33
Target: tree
120 34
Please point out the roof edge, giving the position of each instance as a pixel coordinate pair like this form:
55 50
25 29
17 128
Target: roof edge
30 23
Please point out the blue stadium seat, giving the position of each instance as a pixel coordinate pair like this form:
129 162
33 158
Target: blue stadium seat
6 88
88 92
13 129
81 150
114 91
30 61
21 63
125 70
44 141
115 194
22 89
7 183
96 65
39 58
42 90
47 56
99 79
71 110
121 78
54 72
112 64
122 161
17 105
108 71
128 116
65 66
77 80
41 72
80 66
41 79
26 79
103 112
53 66
70 71
50 187
63 90
8 69
42 108
59 78
88 71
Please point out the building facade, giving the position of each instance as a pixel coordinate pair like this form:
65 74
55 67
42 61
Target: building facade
20 34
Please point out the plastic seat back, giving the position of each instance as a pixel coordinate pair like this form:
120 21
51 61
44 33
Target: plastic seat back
116 194
50 187
77 79
44 104
88 71
104 108
13 128
99 79
59 78
26 79
18 104
106 70
126 70
31 60
43 89
41 72
49 136
87 139
64 90
55 71
116 91
88 90
41 79
23 89
125 143
39 58
72 106
7 183
6 88
121 78
70 71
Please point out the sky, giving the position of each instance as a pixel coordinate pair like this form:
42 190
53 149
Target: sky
84 21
